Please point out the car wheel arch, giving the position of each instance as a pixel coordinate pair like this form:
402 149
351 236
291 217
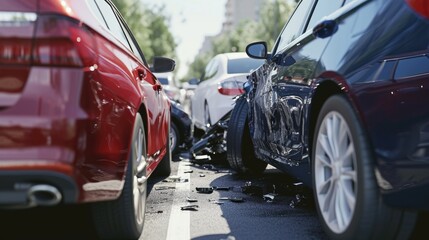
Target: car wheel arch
324 90
143 113
178 124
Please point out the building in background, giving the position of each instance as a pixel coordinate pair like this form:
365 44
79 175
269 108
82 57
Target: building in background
236 11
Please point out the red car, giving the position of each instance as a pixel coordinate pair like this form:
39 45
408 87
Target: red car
82 117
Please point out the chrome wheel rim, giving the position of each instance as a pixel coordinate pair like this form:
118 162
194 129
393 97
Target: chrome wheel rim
139 189
335 172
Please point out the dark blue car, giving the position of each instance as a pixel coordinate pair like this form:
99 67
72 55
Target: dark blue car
180 128
341 104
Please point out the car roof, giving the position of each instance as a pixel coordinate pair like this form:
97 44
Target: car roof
234 55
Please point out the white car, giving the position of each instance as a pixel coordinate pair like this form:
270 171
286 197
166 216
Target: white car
222 80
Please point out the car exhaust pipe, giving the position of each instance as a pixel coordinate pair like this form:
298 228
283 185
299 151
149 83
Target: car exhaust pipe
44 195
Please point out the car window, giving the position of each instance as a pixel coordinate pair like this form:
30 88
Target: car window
164 81
386 70
294 26
243 65
211 69
112 21
96 10
410 67
323 8
134 48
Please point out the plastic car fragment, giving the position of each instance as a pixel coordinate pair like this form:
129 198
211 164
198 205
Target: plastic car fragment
251 189
188 199
269 197
159 188
189 208
216 202
175 179
236 199
206 190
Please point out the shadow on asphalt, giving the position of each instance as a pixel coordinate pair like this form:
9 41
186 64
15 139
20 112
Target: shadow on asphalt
61 222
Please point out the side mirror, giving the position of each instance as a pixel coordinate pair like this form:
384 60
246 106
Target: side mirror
257 50
162 64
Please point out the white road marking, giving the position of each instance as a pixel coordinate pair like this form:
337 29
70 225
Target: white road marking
179 224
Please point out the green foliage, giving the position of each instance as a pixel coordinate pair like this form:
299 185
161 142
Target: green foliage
149 27
196 69
273 16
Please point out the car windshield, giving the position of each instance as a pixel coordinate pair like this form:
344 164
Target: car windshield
243 65
164 81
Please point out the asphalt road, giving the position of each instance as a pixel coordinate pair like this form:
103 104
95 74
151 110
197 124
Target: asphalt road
236 209
290 215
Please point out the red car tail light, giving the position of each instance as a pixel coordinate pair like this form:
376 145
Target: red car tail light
420 6
16 37
230 88
61 41
53 40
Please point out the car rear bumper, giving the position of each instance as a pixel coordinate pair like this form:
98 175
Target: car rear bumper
17 188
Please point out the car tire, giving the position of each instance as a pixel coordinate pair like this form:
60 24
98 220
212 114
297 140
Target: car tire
347 197
240 152
164 167
175 138
123 218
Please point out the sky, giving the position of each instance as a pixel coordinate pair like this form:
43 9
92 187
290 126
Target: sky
190 22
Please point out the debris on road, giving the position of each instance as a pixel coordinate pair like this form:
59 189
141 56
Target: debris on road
189 171
164 188
191 199
154 212
251 189
175 178
216 202
269 197
300 200
206 190
202 175
209 167
202 158
189 208
298 183
236 199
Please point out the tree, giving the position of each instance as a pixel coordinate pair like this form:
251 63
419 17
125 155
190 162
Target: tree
136 21
162 41
150 28
196 68
273 16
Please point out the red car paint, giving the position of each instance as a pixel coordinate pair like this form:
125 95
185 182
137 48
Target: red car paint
69 94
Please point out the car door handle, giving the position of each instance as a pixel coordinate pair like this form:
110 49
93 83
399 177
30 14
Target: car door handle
325 29
157 87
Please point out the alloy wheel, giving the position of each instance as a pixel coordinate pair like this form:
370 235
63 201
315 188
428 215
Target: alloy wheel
335 172
139 186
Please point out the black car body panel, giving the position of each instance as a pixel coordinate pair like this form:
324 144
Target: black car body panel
377 55
182 120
